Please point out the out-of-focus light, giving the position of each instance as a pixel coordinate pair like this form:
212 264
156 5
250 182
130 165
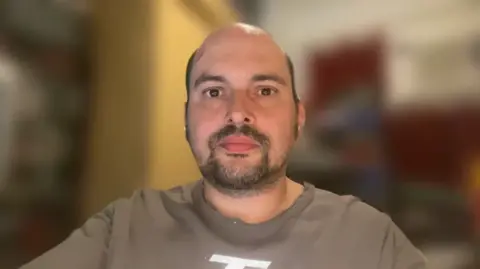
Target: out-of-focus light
7 88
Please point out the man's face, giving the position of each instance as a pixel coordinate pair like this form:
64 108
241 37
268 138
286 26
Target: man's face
242 118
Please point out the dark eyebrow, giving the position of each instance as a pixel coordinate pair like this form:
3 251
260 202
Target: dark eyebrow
269 77
256 78
206 78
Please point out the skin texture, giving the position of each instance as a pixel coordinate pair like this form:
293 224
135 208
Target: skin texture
243 121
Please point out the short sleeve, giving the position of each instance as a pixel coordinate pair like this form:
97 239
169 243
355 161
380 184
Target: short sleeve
399 253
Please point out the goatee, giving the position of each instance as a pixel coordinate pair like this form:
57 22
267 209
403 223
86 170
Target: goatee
240 181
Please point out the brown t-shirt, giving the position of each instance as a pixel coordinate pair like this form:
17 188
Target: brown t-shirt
178 229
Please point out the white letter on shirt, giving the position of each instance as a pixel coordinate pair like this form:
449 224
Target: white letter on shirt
239 263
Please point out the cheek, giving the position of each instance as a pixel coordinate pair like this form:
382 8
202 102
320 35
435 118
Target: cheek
281 135
281 140
198 140
201 131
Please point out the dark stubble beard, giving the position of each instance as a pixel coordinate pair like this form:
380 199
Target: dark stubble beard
241 181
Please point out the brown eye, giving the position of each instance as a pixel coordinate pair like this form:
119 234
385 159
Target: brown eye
213 93
266 91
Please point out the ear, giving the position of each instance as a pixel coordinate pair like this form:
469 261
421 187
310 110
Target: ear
301 116
185 113
185 120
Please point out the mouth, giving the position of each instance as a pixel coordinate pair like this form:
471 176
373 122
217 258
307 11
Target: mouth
238 144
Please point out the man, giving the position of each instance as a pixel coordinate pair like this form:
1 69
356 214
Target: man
242 119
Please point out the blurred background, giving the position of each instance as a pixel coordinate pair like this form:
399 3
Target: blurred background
91 108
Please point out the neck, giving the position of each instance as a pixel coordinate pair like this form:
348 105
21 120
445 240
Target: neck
257 208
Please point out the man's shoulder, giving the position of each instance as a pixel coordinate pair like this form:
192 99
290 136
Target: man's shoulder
179 193
363 234
348 209
148 201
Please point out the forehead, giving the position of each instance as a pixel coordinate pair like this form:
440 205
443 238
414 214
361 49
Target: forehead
247 56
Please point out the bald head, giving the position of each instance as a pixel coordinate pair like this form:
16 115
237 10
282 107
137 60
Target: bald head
237 30
237 38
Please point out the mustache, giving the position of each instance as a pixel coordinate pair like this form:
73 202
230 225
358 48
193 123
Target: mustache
245 130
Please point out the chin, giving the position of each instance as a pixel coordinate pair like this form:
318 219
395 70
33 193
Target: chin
241 182
240 176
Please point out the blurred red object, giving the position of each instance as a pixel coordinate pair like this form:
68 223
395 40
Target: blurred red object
39 232
473 190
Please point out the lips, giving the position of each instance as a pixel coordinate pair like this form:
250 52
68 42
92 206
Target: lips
237 143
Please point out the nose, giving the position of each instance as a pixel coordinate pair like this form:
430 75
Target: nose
239 113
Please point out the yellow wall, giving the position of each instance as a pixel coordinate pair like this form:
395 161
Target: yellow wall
136 139
116 150
179 31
